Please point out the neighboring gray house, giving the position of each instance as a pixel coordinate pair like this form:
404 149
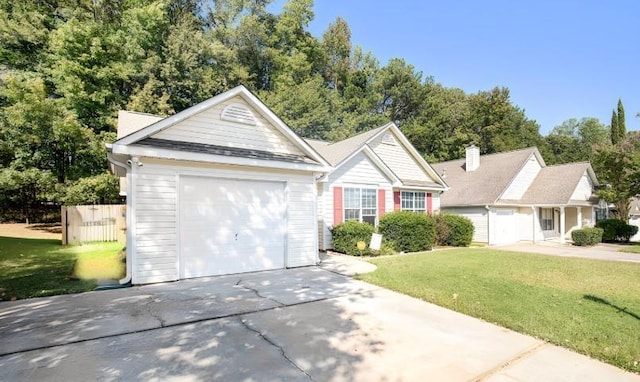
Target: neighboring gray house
514 196
374 173
222 187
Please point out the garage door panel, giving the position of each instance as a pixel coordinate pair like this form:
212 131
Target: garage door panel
231 226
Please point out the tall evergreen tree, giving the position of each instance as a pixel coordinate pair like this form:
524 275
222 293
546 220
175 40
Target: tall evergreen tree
618 124
613 129
622 125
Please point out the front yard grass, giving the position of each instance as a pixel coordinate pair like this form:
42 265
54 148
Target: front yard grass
43 267
631 248
590 306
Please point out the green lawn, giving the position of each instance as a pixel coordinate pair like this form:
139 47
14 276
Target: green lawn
590 306
41 267
631 248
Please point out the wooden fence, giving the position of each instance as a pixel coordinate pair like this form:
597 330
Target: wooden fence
81 224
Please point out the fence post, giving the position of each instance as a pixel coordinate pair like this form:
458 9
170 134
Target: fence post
63 216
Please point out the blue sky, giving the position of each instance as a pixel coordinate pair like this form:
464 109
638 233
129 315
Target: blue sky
560 59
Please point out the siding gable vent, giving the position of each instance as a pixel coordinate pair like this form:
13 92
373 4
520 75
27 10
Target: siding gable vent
238 112
388 139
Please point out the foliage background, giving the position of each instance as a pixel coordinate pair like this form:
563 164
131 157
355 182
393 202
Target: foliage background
68 66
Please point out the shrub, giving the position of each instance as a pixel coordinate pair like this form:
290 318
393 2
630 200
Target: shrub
587 236
347 235
616 230
453 230
408 231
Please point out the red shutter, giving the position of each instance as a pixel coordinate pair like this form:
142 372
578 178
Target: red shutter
381 201
429 203
396 200
337 206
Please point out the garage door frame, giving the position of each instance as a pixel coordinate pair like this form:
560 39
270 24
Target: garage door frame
246 177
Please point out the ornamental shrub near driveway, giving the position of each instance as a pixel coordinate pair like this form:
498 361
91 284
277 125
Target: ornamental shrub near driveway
347 235
408 231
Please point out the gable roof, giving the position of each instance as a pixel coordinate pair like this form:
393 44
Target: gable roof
564 179
484 185
340 152
149 145
336 153
496 172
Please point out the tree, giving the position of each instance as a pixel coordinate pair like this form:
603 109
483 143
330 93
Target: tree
400 90
574 140
618 125
336 43
618 169
499 124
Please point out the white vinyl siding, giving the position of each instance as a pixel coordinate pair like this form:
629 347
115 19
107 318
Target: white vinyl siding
207 127
584 189
394 155
435 201
155 226
478 216
358 170
156 256
523 180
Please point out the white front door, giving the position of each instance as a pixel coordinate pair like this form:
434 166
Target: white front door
230 226
505 227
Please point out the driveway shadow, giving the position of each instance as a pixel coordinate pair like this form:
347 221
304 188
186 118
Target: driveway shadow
280 325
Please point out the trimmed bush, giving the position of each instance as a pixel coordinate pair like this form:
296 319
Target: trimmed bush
347 235
616 230
587 236
453 230
408 231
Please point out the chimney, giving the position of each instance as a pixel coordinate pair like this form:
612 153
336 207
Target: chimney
473 158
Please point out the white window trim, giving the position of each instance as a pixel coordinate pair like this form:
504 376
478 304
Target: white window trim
360 217
414 193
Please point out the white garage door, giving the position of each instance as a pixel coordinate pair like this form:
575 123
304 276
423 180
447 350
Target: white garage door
230 226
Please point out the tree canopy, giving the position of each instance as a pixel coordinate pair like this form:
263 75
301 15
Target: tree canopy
68 66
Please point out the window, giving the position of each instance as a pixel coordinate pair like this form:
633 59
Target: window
360 204
546 219
413 201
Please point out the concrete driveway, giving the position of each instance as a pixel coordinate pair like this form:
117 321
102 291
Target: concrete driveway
297 324
609 252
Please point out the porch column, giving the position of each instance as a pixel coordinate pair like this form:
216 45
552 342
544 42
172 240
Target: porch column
593 217
535 221
579 216
562 226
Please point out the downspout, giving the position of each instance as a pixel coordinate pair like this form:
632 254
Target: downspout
127 276
488 224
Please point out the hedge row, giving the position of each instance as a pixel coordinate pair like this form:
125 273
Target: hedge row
404 231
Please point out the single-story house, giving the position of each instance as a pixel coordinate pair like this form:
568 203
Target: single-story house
514 196
375 172
221 187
